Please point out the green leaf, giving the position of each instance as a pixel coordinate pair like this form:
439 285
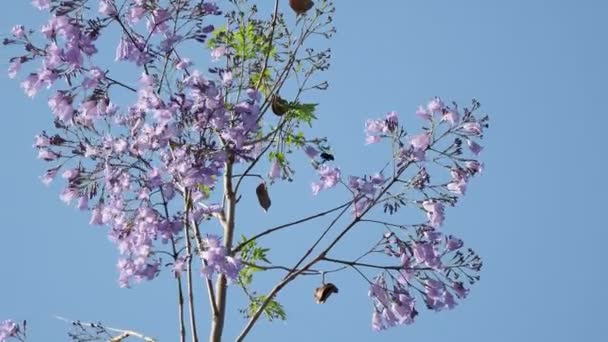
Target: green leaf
302 112
272 311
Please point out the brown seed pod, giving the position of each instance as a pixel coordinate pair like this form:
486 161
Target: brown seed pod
279 106
301 6
323 292
262 192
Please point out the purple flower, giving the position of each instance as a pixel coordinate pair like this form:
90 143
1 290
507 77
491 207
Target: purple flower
458 185
8 329
275 170
434 212
69 194
218 259
392 121
107 7
218 53
372 129
48 177
424 113
474 167
158 22
451 116
459 289
31 85
96 217
13 68
311 152
329 178
453 243
377 323
421 141
472 127
183 64
18 31
47 155
41 4
435 105
426 253
474 147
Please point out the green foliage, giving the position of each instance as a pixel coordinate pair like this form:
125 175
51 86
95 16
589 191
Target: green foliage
251 254
247 41
272 311
302 112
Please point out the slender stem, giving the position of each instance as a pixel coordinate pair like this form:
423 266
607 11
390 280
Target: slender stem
283 226
270 40
180 299
178 279
189 271
199 243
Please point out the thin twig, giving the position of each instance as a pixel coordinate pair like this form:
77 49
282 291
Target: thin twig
286 225
189 271
126 333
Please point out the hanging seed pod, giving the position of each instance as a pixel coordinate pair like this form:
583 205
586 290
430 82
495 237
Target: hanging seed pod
279 106
301 6
323 292
262 192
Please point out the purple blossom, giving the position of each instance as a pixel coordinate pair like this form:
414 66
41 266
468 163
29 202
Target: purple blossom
183 64
275 170
218 53
8 329
311 152
424 113
49 175
474 167
474 147
18 31
458 185
451 115
13 68
472 127
434 212
329 178
435 106
427 254
453 243
41 4
421 141
218 260
107 7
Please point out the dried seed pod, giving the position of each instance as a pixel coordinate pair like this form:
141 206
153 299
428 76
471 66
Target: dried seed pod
323 292
279 106
262 192
301 6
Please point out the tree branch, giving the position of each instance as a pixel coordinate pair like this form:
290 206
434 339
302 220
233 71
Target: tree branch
124 333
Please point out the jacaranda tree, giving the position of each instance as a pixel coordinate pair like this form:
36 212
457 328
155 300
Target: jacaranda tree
207 109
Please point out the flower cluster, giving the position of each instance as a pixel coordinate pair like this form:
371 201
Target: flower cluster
218 260
8 329
127 163
430 264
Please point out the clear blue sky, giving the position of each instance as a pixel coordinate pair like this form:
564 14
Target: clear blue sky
538 67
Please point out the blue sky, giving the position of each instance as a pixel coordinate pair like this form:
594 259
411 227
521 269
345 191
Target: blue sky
538 68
